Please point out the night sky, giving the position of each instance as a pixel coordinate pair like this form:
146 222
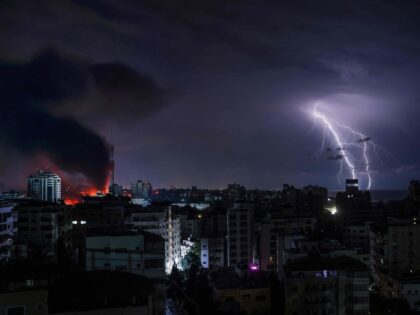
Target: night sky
206 92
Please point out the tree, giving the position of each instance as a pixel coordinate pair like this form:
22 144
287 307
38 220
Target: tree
192 258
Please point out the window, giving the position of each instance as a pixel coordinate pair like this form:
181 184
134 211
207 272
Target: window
260 298
246 297
15 310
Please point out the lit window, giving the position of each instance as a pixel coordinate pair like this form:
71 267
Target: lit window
74 222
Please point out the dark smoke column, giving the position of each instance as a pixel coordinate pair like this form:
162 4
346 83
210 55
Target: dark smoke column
27 93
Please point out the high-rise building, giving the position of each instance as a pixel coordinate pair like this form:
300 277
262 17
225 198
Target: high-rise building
141 189
274 224
235 192
116 190
7 230
161 222
292 196
319 285
394 247
39 228
212 252
414 190
126 249
314 199
240 227
354 205
45 186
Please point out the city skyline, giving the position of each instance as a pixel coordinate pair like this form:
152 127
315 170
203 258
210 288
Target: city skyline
209 157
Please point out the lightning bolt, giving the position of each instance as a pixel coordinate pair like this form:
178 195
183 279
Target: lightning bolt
360 142
329 125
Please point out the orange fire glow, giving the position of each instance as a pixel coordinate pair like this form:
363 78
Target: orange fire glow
89 192
94 191
71 201
75 187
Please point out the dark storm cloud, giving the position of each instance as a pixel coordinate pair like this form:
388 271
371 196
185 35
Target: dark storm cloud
107 90
29 90
122 92
244 69
29 127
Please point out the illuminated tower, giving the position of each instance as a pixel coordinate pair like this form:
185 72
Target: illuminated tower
45 186
354 205
352 185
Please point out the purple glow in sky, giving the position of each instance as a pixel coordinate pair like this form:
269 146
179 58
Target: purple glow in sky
354 151
210 92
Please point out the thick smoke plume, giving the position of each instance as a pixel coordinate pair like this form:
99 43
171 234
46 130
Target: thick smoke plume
30 91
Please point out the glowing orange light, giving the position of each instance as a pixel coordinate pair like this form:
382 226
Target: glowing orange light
90 192
71 201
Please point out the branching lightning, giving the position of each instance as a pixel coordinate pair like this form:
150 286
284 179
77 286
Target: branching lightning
337 139
352 149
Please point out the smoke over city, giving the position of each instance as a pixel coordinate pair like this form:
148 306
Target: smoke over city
36 95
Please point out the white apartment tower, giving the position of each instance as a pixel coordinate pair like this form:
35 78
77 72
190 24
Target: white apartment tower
45 186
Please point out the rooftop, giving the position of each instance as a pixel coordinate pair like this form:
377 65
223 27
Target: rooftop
123 230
